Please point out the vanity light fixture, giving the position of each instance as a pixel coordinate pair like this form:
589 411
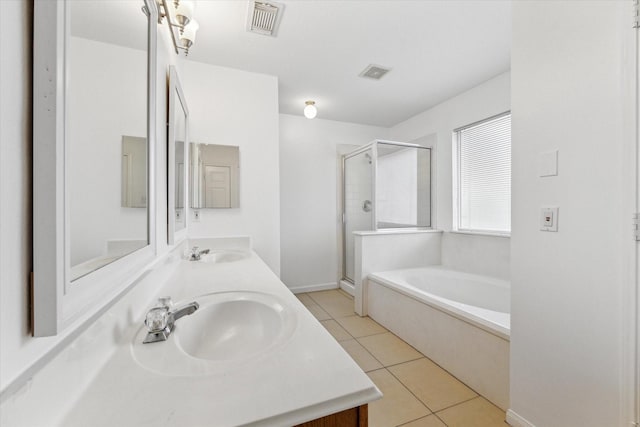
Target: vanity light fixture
182 26
310 111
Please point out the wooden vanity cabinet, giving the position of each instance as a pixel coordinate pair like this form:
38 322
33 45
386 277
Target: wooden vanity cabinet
354 417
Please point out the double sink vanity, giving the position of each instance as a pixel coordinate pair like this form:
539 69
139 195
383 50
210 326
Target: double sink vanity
250 354
232 346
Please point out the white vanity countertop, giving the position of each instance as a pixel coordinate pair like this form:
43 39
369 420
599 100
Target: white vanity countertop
308 377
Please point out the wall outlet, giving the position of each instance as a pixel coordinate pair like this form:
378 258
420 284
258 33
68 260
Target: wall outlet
196 215
549 219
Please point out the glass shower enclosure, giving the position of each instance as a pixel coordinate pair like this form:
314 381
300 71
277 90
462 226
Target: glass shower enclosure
385 185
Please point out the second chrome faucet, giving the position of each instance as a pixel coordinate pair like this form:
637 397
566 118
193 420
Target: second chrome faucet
196 253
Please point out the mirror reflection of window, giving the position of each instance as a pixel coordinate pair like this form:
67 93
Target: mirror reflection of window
215 172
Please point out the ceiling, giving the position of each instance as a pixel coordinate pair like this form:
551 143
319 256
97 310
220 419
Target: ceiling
435 48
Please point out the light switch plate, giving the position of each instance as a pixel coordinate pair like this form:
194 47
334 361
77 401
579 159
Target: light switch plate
549 218
548 163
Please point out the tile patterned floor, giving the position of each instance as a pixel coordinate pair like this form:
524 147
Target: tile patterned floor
417 392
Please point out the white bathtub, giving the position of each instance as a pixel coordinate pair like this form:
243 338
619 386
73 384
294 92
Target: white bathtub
459 320
481 300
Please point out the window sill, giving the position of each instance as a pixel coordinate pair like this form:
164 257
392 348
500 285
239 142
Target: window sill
481 233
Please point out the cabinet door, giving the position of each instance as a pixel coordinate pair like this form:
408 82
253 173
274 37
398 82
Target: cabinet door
354 417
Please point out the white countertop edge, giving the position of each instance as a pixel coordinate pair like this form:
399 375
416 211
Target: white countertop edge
321 410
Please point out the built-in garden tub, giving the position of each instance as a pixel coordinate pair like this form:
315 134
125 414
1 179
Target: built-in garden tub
459 320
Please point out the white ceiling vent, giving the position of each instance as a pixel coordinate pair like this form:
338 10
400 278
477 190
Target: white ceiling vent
264 17
374 72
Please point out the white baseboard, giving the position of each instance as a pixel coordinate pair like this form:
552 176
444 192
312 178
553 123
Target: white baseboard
516 420
312 288
349 288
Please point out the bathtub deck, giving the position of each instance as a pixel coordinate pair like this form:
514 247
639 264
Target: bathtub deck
417 392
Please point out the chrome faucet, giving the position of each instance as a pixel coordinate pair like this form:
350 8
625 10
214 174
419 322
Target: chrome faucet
161 319
196 253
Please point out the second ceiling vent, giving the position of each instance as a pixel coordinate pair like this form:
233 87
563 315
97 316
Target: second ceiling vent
375 72
264 17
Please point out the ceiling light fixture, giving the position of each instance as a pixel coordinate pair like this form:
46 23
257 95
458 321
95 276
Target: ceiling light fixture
181 24
310 111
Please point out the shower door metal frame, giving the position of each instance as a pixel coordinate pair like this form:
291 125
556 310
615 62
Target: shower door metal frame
374 155
373 146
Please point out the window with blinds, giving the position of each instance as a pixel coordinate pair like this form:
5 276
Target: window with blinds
483 176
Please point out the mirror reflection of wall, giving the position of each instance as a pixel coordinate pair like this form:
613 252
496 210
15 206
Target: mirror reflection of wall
214 176
107 98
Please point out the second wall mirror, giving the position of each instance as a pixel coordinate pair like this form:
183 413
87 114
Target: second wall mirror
178 133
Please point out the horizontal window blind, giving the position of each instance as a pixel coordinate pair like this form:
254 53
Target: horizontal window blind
484 175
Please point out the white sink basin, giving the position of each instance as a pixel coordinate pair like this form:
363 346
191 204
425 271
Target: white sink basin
229 329
222 256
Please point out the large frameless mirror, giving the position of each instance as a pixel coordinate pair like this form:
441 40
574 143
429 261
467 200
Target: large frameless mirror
93 192
178 133
215 172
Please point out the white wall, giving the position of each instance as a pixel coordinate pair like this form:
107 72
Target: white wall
309 169
232 107
569 85
95 170
485 100
19 351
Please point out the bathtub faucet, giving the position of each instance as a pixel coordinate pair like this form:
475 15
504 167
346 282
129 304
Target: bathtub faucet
161 319
196 253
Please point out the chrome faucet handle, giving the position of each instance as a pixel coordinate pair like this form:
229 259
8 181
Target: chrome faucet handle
157 319
196 253
160 320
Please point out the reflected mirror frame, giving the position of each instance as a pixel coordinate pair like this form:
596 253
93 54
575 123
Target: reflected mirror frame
176 97
57 304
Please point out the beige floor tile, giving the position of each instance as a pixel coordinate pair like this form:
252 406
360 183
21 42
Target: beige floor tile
362 357
430 421
478 412
434 386
336 330
398 404
360 326
305 299
389 349
318 312
334 303
346 294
